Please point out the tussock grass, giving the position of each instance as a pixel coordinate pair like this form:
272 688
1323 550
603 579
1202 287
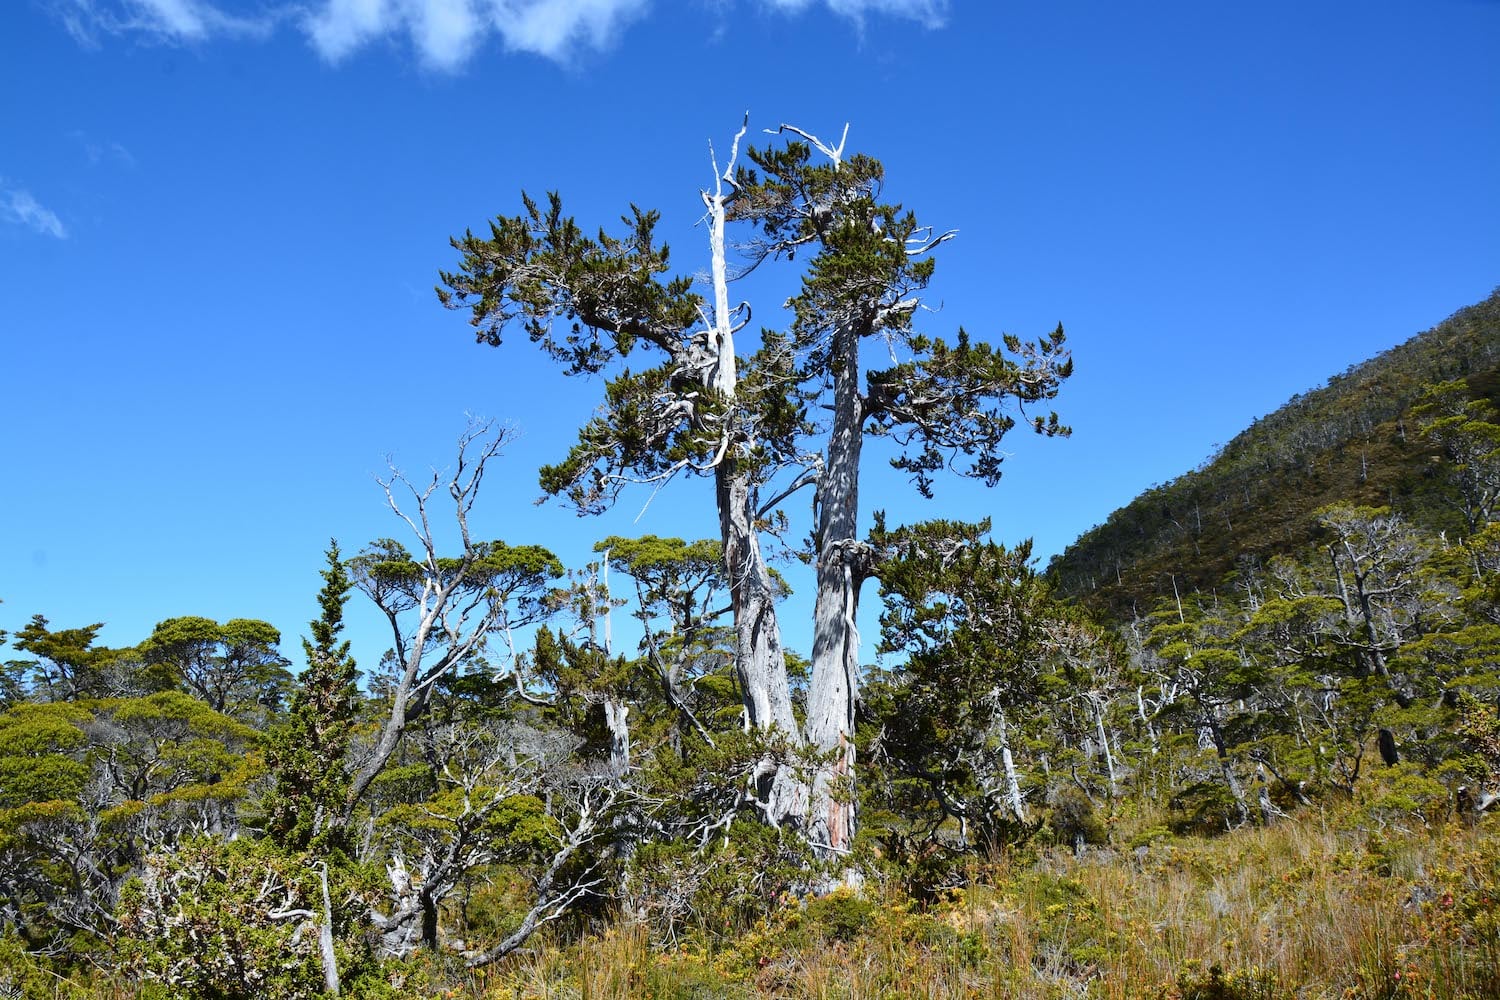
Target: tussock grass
1308 909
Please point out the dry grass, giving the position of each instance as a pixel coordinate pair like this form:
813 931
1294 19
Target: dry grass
1304 909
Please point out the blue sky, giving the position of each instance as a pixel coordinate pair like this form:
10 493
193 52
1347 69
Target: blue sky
220 225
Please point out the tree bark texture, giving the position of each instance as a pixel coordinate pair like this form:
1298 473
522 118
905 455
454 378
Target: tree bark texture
840 571
760 660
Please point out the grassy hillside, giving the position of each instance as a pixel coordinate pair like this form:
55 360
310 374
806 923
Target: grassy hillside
1349 440
1332 904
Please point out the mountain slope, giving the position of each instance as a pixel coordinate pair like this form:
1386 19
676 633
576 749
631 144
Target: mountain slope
1348 440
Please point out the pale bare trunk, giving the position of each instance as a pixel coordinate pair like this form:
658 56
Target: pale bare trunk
615 713
325 938
840 571
1097 703
760 662
1012 779
1140 708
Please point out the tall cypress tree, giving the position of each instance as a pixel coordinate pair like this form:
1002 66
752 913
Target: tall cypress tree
307 753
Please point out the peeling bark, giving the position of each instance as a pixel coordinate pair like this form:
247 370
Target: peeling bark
615 713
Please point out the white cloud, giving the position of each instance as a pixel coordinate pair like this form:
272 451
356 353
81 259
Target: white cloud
344 25
445 34
180 18
18 207
549 27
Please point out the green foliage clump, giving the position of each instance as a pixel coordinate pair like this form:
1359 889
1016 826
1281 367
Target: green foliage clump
1074 820
40 754
841 915
1202 807
230 920
26 975
1197 983
1407 794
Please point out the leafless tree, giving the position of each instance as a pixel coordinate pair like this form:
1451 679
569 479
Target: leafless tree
440 608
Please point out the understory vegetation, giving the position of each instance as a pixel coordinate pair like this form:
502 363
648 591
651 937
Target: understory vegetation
1329 904
1336 902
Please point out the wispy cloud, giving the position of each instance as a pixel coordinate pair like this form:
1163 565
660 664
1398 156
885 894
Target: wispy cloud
102 151
18 207
444 34
165 20
930 13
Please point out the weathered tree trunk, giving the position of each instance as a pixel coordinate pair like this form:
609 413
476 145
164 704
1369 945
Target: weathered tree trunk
391 734
325 938
1096 702
1372 635
1150 727
615 713
1012 779
401 931
840 571
1226 767
760 661
1269 811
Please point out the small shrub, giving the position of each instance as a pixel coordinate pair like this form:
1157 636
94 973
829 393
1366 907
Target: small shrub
1193 983
1148 836
1407 796
1204 808
1074 821
840 916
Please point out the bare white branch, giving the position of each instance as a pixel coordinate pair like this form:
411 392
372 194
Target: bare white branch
834 153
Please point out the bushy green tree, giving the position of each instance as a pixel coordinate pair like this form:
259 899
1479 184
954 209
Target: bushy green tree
65 664
93 788
234 667
1468 430
1194 653
968 617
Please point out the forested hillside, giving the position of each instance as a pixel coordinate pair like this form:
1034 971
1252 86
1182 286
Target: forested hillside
1351 440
